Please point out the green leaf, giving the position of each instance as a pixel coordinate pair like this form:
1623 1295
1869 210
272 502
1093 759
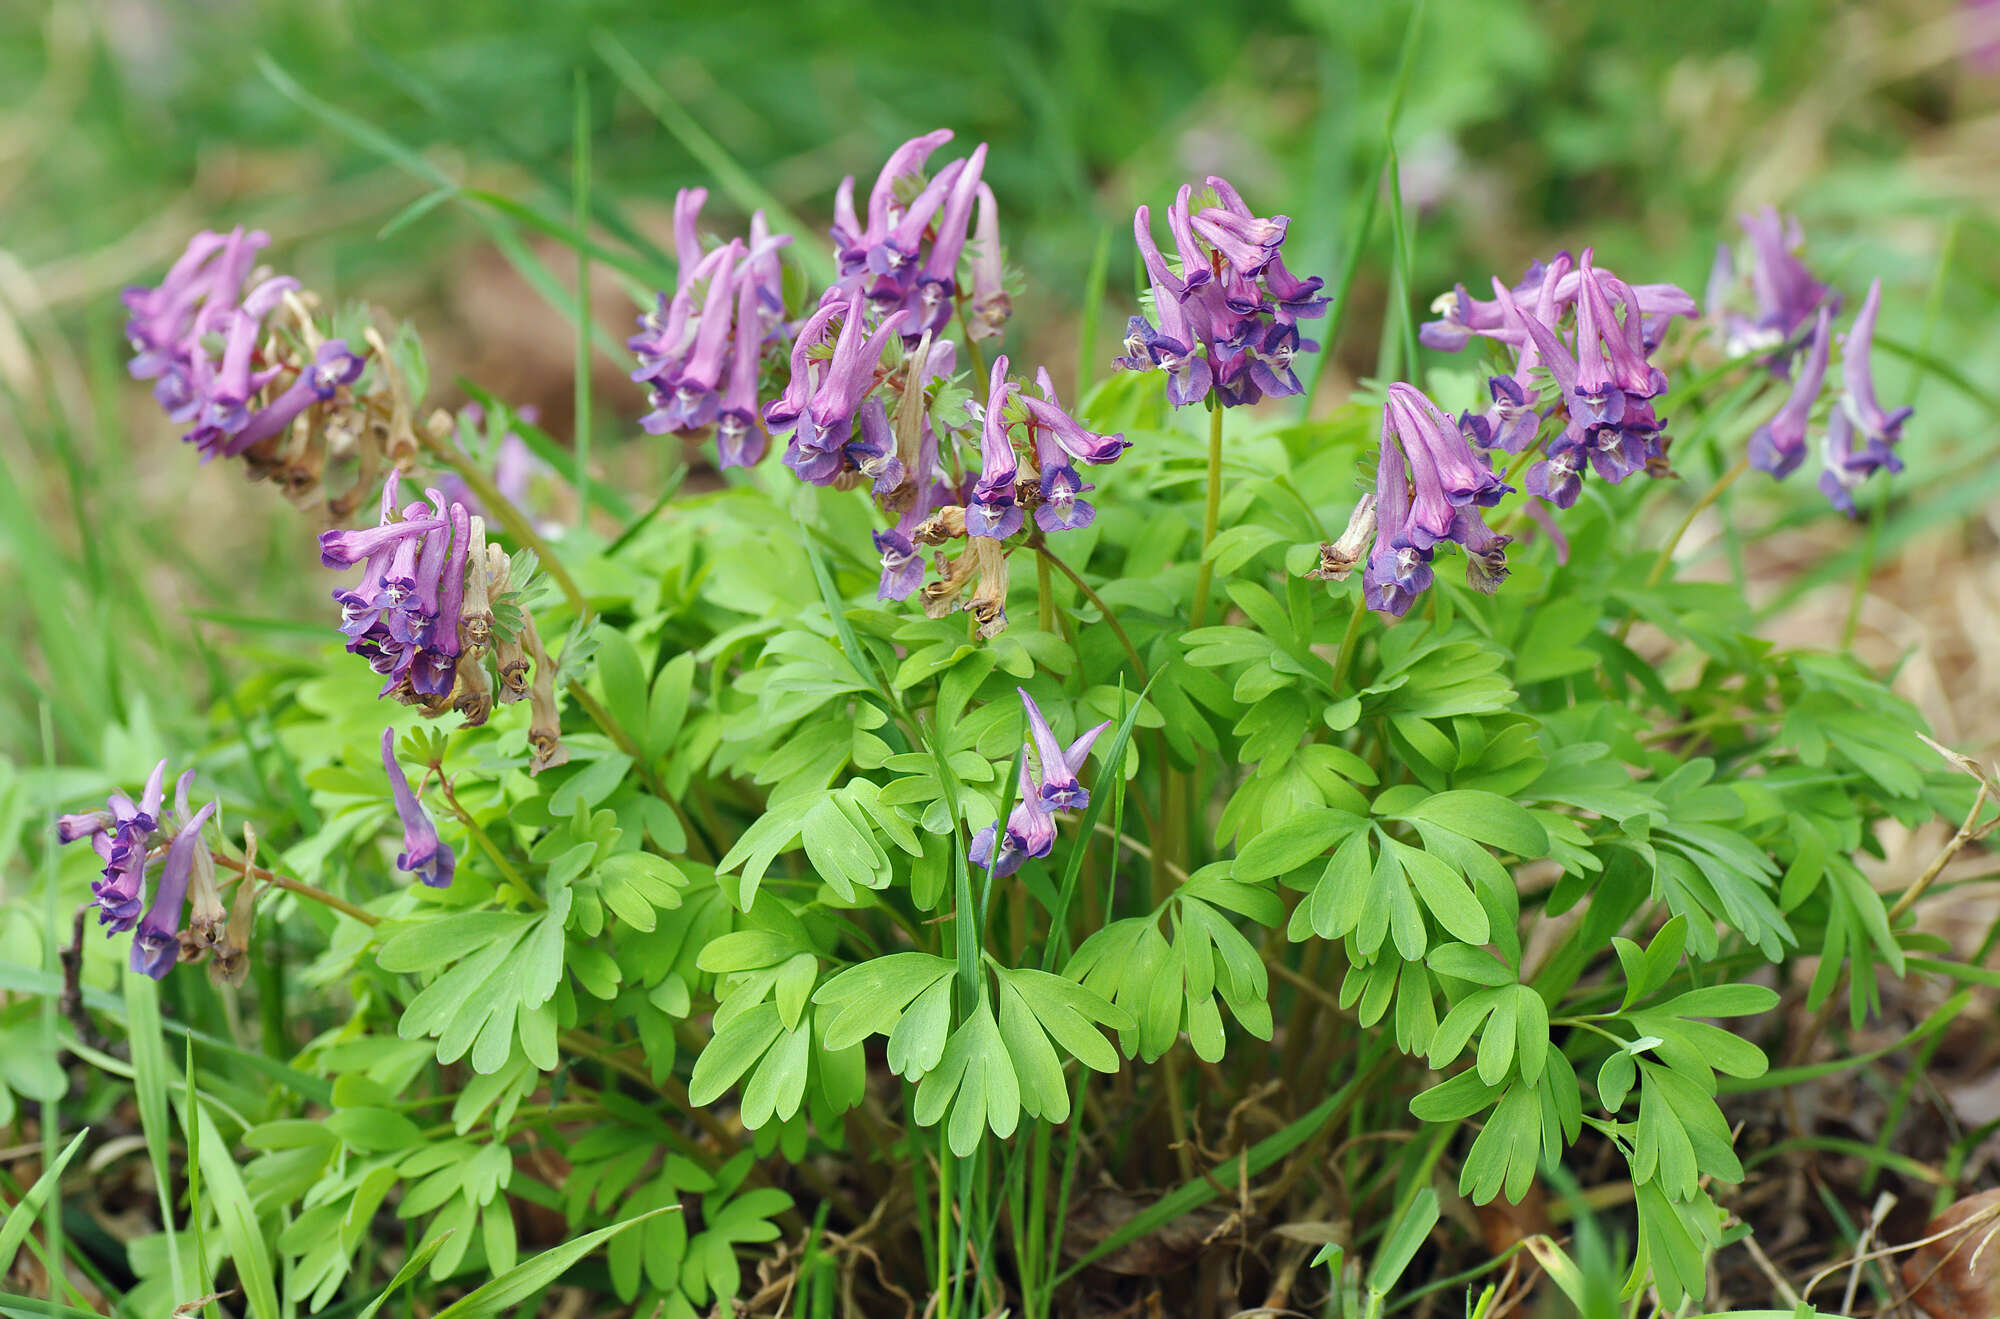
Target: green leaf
1486 817
1289 845
975 1079
20 1219
530 1276
1399 1246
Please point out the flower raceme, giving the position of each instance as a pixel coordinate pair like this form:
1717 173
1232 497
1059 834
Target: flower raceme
422 615
1030 830
141 840
1777 311
701 350
1225 318
1430 487
246 369
1591 333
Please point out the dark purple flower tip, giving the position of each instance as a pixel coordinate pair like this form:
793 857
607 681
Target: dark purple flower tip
1779 446
424 854
87 824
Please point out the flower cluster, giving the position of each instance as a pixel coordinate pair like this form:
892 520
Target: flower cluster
869 369
1790 312
431 610
701 351
1860 435
1563 322
247 370
1430 488
906 255
1766 312
1228 316
138 839
424 854
1031 825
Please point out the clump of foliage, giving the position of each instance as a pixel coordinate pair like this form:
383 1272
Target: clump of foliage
892 857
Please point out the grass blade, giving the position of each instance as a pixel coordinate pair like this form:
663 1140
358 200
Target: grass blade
532 1275
411 1268
20 1219
152 1080
745 191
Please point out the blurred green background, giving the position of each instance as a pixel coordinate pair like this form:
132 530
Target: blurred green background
136 585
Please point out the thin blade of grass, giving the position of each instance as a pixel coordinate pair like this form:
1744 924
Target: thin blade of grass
20 1219
411 1268
744 190
580 218
1092 311
151 1080
544 446
234 1211
517 1284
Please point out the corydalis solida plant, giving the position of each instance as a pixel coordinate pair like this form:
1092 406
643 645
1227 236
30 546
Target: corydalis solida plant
760 859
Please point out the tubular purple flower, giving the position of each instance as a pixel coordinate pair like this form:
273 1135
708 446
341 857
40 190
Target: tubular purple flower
740 440
344 549
850 374
1398 571
668 336
1779 445
953 226
1858 379
1059 790
782 413
687 234
85 824
451 601
424 854
898 248
1195 271
1625 346
1438 453
333 366
906 161
1787 294
846 231
692 401
156 944
1047 414
992 510
1030 832
1245 243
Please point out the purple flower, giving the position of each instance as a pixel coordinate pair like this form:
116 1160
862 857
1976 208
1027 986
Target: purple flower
1059 790
992 510
156 944
1783 295
1399 570
1031 825
424 854
1779 445
1227 319
1030 832
990 304
1858 416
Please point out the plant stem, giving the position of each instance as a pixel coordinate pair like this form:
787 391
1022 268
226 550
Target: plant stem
1211 515
1666 554
1344 659
300 887
1111 619
1044 602
517 523
502 864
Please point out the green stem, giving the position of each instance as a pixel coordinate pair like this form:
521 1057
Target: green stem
1345 658
300 887
1110 619
486 844
1044 602
1666 554
1211 515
